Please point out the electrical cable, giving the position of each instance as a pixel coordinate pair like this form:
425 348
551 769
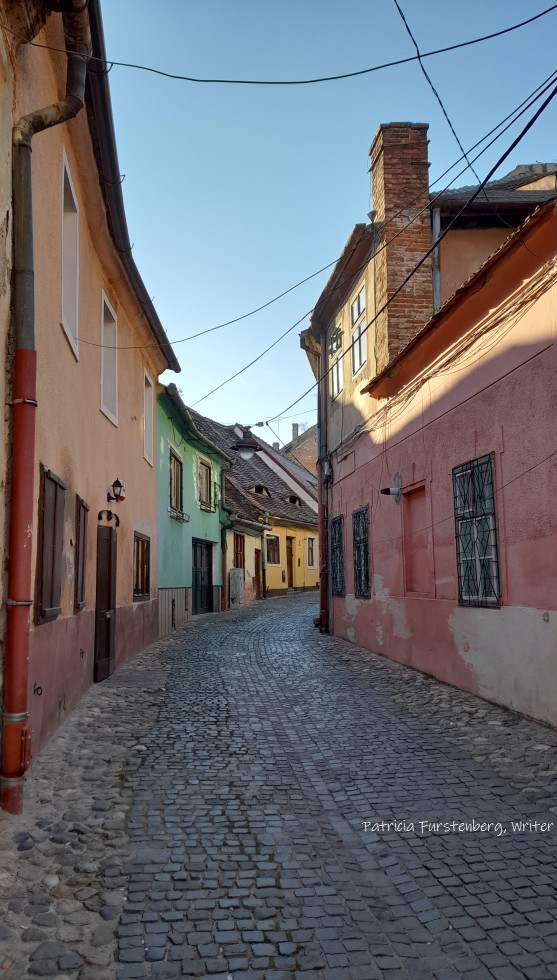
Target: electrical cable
444 110
357 271
516 113
424 258
302 81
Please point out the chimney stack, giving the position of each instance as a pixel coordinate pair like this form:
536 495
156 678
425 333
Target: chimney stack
400 191
294 431
276 445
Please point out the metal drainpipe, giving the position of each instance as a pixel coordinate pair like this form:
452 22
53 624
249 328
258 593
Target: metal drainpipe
323 489
16 735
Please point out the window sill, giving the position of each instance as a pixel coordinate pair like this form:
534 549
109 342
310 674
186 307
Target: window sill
178 515
206 507
141 598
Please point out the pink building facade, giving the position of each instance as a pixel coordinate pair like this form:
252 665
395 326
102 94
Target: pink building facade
438 491
85 350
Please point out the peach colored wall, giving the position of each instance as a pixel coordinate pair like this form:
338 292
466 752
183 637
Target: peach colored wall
462 253
345 411
497 397
74 438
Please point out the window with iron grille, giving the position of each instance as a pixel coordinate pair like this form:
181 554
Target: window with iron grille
81 511
476 536
49 564
360 537
273 550
311 552
176 483
141 566
337 555
239 551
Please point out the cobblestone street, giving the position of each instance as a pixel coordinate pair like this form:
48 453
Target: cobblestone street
214 810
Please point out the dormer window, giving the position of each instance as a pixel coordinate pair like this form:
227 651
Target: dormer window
293 499
260 490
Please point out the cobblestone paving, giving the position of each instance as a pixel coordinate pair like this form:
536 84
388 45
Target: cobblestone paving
211 811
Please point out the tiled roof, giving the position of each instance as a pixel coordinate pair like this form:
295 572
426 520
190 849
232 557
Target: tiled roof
504 192
255 472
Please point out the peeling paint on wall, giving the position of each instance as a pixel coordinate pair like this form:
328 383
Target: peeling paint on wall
481 634
393 607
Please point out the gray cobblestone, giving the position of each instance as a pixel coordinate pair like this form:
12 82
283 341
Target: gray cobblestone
240 758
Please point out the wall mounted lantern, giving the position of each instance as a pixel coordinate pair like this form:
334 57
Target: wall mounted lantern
396 489
118 491
246 446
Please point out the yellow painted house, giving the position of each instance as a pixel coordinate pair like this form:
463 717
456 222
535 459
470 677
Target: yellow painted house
279 498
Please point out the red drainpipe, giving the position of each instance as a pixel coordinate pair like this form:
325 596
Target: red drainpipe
16 734
323 488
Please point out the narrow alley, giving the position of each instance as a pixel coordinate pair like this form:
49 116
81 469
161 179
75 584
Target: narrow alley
250 799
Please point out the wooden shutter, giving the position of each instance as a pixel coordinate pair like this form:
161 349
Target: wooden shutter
53 491
81 511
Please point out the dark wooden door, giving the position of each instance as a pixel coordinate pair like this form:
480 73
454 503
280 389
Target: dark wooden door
202 580
105 606
258 573
289 563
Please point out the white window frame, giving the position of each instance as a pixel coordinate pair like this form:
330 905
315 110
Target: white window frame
148 417
337 377
109 354
69 299
358 306
313 564
359 347
268 538
172 451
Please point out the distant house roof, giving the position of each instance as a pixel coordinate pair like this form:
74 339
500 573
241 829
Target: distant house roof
285 460
247 474
195 437
101 125
504 194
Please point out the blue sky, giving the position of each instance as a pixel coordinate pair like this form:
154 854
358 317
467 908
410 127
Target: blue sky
235 193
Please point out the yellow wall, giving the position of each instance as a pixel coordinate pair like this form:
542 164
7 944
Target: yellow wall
303 577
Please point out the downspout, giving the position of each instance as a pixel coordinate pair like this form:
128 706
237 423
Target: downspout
323 477
224 525
264 556
16 734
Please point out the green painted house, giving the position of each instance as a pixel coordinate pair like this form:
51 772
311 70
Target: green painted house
190 518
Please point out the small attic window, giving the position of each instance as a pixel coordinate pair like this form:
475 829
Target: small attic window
335 339
293 499
260 489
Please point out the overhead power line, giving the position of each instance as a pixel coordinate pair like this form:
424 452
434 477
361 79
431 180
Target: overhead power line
355 272
513 116
298 81
442 105
478 190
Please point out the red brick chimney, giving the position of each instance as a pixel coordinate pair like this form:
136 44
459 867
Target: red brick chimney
400 191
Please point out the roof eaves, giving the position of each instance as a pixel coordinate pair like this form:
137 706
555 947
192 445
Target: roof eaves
99 109
174 396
